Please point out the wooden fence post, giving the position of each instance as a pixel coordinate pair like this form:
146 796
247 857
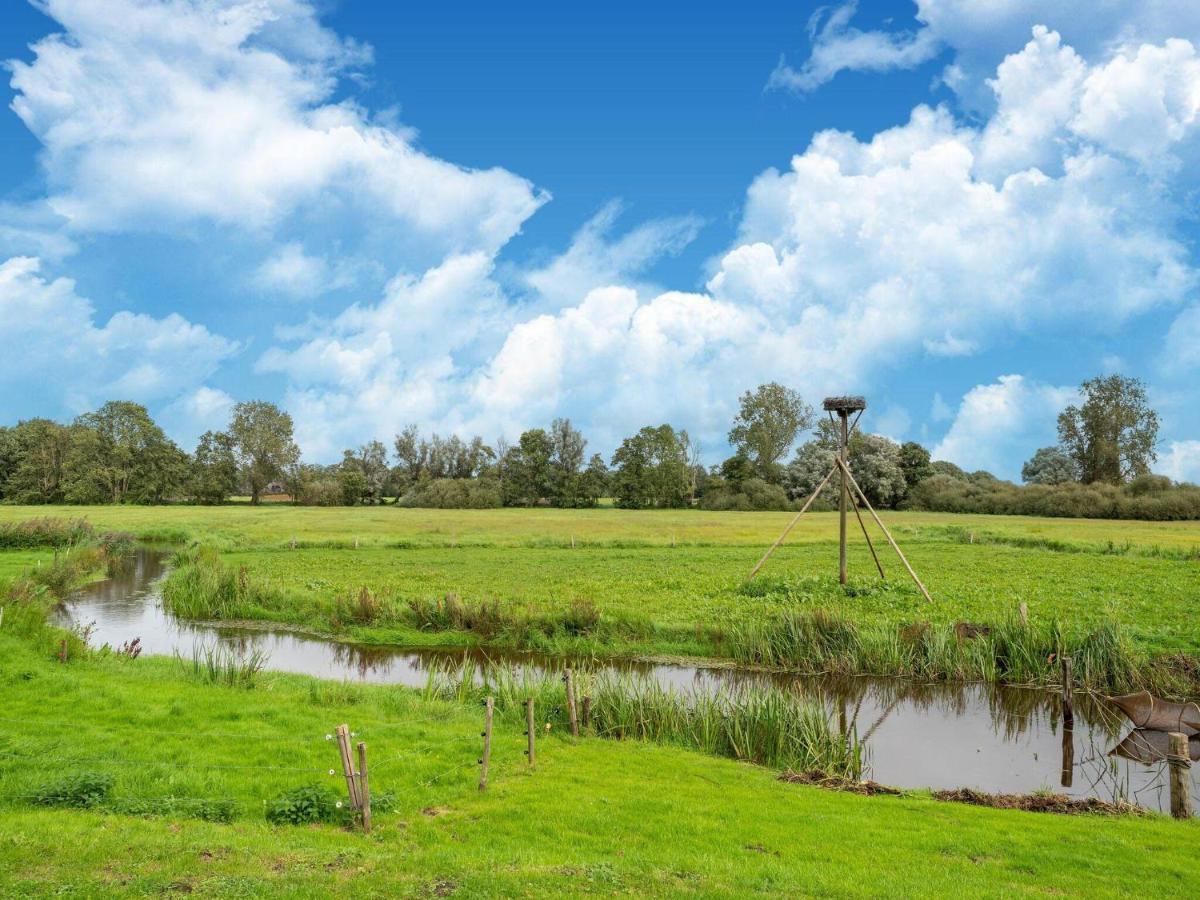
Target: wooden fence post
364 787
490 705
343 740
531 733
1023 610
569 679
1179 763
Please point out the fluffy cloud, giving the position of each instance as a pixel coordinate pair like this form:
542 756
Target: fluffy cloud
292 272
980 34
1181 461
594 259
155 114
52 339
931 237
1000 424
837 46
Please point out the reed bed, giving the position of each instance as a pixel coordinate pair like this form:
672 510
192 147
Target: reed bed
221 664
765 725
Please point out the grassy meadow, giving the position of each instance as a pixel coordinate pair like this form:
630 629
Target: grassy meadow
156 775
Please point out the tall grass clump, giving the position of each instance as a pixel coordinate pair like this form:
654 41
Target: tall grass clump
45 531
200 586
221 664
755 723
819 642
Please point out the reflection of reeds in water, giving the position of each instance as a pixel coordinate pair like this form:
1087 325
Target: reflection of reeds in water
761 724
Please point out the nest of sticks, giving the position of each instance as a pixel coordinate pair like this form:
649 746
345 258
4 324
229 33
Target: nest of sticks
845 404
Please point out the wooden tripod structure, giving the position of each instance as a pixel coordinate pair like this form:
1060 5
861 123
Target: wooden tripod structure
844 408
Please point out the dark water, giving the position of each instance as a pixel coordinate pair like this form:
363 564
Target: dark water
939 736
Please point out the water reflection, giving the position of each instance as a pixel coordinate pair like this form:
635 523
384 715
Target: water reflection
986 737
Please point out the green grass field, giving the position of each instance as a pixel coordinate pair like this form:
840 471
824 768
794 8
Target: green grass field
597 816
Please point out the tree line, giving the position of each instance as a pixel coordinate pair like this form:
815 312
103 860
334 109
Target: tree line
118 454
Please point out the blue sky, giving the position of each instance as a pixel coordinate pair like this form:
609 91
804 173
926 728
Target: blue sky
476 216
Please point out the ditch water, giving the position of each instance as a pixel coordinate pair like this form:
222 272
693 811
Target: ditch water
985 737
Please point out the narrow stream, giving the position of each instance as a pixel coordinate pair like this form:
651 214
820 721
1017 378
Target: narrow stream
990 738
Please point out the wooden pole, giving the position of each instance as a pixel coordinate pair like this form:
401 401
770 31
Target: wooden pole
1023 611
364 787
792 524
569 679
886 533
343 740
587 714
870 546
490 706
1181 785
843 494
531 733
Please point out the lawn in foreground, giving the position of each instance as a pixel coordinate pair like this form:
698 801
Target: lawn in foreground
596 817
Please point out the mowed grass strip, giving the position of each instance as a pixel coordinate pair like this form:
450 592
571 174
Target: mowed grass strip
595 817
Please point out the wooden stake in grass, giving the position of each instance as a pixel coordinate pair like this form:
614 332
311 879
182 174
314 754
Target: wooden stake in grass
530 733
62 651
569 680
792 524
485 761
364 787
1179 763
900 553
343 741
1023 612
1068 686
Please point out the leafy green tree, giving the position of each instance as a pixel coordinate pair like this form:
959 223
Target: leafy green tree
527 477
766 426
373 464
214 475
650 469
567 445
875 462
594 481
1049 465
39 450
1111 436
352 481
914 463
737 468
949 469
262 435
118 454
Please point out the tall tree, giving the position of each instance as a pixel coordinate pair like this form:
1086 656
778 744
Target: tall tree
767 424
262 434
528 468
214 475
875 462
1111 436
651 469
567 445
914 463
39 447
117 454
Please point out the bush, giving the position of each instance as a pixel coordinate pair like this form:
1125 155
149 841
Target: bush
45 532
80 790
453 493
306 805
751 494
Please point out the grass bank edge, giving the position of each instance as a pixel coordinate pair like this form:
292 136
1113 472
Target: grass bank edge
802 640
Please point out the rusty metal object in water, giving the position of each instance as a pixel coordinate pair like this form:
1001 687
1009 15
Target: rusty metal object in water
1149 747
1147 711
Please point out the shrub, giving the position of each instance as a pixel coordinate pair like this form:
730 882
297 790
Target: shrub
45 532
453 493
81 789
306 805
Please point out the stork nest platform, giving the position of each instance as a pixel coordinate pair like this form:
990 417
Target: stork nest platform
845 404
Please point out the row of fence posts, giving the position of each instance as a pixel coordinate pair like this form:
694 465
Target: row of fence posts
1179 763
358 786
